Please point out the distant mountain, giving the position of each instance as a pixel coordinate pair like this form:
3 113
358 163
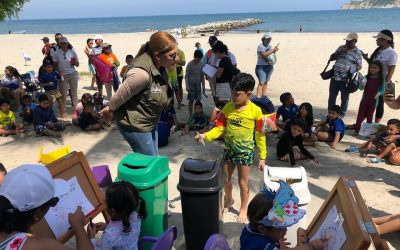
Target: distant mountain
369 4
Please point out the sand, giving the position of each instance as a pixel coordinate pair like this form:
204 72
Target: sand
300 60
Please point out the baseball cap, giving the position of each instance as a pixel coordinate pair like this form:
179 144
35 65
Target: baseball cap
385 34
45 39
267 35
31 185
212 39
98 37
351 36
105 45
63 40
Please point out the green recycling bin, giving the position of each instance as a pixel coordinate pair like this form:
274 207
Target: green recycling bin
150 175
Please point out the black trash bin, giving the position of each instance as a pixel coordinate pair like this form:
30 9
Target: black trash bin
200 185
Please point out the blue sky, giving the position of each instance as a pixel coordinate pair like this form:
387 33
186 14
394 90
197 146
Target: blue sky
38 9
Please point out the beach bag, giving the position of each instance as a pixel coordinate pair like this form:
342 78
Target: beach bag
368 129
271 59
267 123
355 81
103 70
326 75
264 103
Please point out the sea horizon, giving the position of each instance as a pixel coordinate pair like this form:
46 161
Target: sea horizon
320 21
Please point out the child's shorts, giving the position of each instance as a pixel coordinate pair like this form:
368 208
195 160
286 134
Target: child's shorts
194 92
40 128
242 157
53 94
332 137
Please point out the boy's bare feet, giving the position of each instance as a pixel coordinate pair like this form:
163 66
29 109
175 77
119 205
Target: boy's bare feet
228 203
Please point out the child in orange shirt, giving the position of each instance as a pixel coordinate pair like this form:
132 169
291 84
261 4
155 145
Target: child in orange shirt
109 58
128 61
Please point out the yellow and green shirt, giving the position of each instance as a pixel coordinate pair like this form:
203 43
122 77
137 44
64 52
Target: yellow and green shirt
7 119
242 129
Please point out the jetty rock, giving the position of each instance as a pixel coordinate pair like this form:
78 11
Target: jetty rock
370 4
219 25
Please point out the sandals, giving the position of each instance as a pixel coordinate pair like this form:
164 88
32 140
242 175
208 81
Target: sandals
352 149
376 160
362 153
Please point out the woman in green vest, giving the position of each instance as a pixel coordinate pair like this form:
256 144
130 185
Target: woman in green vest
145 93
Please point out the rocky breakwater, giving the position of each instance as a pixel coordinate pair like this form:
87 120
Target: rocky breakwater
220 26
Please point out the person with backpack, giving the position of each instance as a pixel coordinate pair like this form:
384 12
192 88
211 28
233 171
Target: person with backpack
348 61
264 67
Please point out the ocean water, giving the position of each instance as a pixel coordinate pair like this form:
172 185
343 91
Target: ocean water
371 20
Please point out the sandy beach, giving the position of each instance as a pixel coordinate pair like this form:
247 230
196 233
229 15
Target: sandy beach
301 58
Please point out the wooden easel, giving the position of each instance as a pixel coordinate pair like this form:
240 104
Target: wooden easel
74 165
359 228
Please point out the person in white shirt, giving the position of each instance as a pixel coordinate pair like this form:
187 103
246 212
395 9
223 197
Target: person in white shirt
263 68
65 60
388 56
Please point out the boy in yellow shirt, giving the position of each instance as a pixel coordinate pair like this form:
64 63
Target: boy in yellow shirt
8 125
240 119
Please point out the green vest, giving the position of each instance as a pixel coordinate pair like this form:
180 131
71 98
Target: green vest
142 112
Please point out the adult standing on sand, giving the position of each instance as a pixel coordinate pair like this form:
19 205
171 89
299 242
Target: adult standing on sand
264 68
145 93
65 60
388 56
55 46
348 60
210 59
96 50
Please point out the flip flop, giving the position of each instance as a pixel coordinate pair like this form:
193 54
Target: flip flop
376 160
362 153
226 209
352 149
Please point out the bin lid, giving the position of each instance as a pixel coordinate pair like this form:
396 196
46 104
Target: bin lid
144 171
200 176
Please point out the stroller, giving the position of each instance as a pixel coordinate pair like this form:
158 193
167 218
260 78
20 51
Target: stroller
31 84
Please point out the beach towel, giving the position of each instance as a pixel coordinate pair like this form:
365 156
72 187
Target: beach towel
103 70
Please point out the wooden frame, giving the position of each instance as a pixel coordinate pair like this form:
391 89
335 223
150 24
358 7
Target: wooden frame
357 222
74 164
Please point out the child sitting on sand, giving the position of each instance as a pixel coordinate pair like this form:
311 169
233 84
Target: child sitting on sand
288 110
78 109
123 230
8 125
290 146
49 80
263 232
213 117
89 120
44 119
335 132
26 109
239 119
198 120
306 114
383 143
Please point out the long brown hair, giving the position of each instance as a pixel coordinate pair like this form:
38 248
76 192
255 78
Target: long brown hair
161 42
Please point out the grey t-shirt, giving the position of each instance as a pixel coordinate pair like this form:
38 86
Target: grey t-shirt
194 73
262 48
